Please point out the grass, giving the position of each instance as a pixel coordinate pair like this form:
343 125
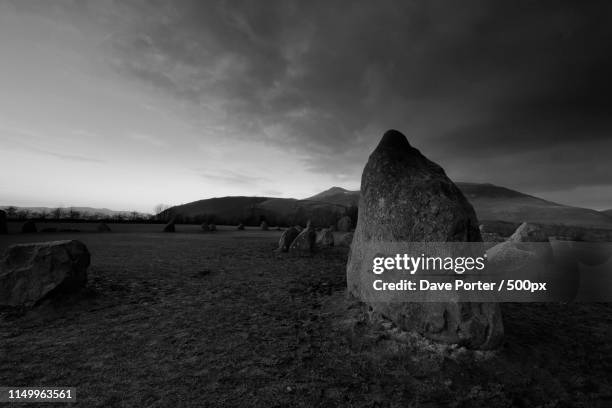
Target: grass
197 319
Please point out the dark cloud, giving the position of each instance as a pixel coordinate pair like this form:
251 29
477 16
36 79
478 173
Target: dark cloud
516 90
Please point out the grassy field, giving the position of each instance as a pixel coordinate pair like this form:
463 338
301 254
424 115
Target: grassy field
196 319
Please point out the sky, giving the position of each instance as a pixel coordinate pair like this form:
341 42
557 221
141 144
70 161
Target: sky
129 104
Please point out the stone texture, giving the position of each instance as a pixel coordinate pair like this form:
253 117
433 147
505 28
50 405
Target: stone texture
407 198
345 224
3 223
103 227
305 241
527 232
325 238
29 272
346 239
287 238
29 227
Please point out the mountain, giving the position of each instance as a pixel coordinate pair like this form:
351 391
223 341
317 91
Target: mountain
607 212
495 203
492 204
337 195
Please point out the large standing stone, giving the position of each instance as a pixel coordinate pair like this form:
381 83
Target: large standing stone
305 242
345 224
28 272
407 198
3 225
29 227
325 238
287 238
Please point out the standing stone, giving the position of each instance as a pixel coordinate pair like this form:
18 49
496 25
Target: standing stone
3 224
103 227
305 241
407 198
346 239
29 227
287 238
325 238
264 226
345 224
28 272
205 227
527 232
170 226
240 227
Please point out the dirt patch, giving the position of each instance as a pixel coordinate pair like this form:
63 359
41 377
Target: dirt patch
223 320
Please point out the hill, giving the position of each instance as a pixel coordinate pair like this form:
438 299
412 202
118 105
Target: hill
491 202
497 203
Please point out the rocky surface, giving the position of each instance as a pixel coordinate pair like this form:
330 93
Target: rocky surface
305 242
325 238
407 198
29 272
287 238
527 232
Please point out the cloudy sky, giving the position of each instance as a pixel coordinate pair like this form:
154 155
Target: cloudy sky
127 104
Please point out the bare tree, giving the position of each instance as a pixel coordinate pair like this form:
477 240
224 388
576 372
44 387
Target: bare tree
57 213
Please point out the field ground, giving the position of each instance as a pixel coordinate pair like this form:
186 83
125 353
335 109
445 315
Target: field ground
197 319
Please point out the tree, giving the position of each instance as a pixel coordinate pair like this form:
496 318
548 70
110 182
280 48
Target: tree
57 213
11 212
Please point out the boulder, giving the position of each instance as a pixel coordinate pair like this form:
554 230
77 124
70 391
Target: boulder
240 227
205 227
29 227
287 238
405 197
3 224
264 226
345 224
103 227
170 226
305 241
527 232
212 227
29 272
325 238
346 239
